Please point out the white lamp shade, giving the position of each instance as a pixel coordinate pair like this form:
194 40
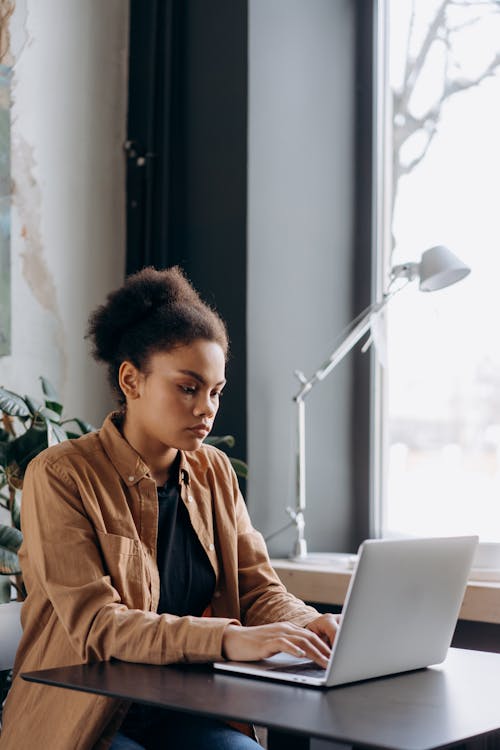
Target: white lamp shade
440 268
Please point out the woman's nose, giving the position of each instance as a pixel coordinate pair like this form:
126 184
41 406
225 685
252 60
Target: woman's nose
205 407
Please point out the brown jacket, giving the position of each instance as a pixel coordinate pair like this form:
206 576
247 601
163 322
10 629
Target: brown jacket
89 519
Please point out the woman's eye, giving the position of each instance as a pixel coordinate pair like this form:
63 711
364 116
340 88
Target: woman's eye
188 389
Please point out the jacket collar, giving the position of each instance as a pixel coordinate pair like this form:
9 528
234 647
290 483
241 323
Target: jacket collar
124 458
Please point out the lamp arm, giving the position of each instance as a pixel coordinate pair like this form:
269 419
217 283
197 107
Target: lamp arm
342 350
361 327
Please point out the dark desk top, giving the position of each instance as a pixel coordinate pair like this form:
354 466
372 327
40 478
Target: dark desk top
426 709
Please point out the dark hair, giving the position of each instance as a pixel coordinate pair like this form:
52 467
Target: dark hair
153 311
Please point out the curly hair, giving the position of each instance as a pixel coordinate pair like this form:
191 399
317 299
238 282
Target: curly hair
153 311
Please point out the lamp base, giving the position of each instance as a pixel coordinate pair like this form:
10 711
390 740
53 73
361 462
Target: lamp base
299 550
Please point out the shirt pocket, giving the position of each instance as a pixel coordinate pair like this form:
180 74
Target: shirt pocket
124 563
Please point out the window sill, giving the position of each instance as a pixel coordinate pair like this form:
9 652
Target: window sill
327 583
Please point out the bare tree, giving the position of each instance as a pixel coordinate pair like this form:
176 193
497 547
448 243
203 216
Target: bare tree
451 18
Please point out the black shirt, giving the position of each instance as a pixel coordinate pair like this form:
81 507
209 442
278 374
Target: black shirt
187 579
187 583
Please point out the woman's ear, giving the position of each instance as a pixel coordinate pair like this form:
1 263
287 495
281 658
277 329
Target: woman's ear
129 380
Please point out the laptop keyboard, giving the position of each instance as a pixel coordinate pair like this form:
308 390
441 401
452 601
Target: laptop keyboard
310 669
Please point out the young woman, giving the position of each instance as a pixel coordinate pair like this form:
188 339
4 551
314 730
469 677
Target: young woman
137 542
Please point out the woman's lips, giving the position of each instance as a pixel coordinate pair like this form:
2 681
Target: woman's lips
199 430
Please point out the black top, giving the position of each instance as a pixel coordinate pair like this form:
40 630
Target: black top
187 583
187 579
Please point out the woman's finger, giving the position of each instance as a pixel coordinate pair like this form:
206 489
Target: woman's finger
305 636
320 656
300 647
291 648
325 627
315 640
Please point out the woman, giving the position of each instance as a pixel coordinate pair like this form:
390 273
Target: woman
137 542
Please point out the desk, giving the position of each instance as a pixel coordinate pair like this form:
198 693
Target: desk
421 710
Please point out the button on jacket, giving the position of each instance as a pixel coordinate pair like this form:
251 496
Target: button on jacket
89 518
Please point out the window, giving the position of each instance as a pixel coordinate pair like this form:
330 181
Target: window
441 407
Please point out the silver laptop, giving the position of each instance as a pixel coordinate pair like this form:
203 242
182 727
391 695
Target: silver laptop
400 613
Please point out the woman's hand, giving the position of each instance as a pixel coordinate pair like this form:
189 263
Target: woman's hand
261 641
325 627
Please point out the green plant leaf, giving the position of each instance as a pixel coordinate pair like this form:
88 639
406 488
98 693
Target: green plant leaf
9 563
85 427
55 433
49 391
28 445
54 406
12 404
240 467
10 541
5 587
52 416
33 405
221 440
5 454
16 511
10 538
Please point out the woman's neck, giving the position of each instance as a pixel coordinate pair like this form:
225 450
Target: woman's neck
157 457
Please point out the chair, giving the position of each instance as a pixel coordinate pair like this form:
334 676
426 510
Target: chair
10 633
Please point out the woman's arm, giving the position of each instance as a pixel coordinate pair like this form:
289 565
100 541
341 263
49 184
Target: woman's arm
290 625
263 597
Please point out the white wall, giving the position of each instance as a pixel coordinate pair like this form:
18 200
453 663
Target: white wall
68 214
300 193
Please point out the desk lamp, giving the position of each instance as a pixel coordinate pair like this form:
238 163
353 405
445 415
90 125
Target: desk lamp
438 268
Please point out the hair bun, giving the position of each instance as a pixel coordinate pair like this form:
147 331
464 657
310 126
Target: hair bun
153 310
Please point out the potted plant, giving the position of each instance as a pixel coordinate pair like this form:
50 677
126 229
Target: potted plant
28 426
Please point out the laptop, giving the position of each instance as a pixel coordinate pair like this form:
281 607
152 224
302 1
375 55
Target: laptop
400 613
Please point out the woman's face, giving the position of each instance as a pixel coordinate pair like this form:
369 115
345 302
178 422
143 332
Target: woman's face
173 404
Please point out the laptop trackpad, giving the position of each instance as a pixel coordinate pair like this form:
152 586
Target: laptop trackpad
285 663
